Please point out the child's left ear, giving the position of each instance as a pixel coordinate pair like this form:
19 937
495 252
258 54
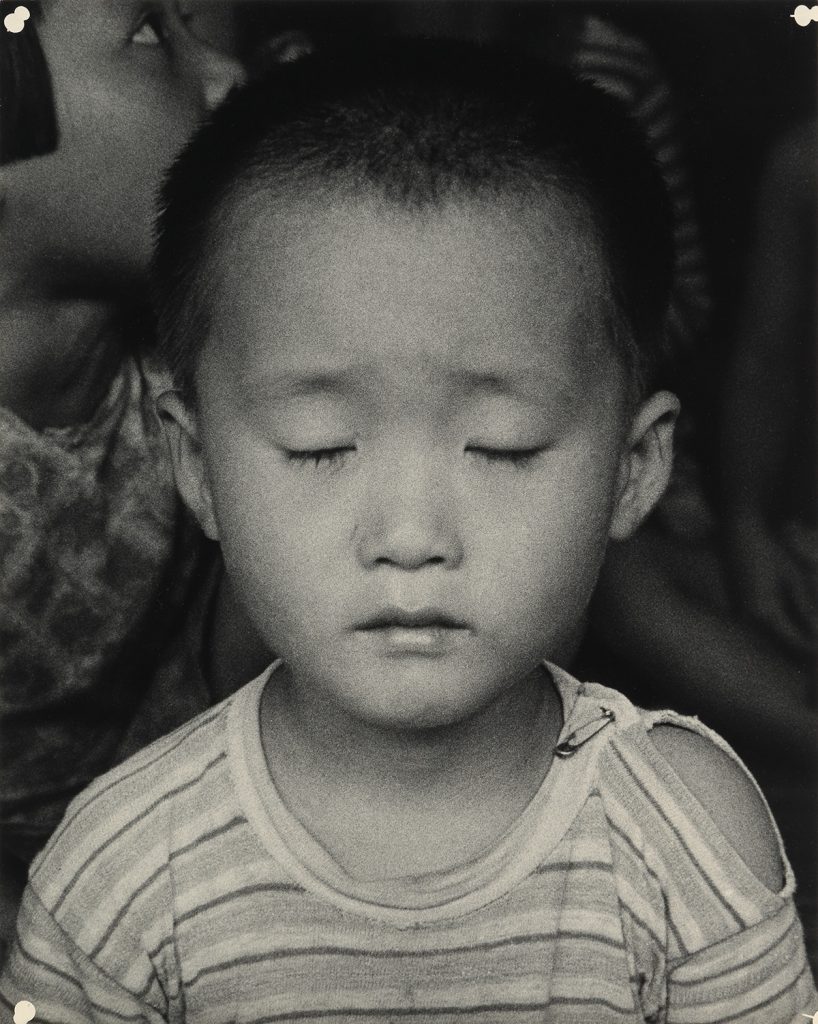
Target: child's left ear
646 463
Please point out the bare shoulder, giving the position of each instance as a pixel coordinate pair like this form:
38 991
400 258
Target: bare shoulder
729 796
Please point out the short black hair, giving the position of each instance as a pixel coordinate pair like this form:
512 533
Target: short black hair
29 116
419 123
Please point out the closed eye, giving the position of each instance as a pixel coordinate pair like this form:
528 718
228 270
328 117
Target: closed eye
518 457
319 456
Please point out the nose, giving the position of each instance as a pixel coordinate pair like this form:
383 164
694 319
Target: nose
409 521
210 72
217 73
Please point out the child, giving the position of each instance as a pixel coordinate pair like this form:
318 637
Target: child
412 307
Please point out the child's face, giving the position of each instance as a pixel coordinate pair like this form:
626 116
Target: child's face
130 82
415 443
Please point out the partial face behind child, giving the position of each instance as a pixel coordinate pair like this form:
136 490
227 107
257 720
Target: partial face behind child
413 438
130 81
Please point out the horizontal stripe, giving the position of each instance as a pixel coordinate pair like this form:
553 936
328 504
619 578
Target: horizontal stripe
74 984
132 822
119 776
238 894
400 954
744 1013
680 906
433 1011
661 813
57 1011
573 865
196 843
206 837
26 954
656 939
626 839
125 909
769 947
208 908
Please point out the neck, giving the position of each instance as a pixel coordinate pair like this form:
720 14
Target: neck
56 360
365 793
350 746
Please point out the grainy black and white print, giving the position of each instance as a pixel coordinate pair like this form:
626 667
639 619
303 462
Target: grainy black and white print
408 511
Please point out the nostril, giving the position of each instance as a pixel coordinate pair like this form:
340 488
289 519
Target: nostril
223 73
407 530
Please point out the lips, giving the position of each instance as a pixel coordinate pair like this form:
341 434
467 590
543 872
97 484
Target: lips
422 618
424 632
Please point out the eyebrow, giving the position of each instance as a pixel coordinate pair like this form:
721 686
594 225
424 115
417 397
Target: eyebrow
469 380
307 385
353 380
515 384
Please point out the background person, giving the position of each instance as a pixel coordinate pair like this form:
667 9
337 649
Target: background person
99 566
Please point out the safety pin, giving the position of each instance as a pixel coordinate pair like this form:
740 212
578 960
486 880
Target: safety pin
576 739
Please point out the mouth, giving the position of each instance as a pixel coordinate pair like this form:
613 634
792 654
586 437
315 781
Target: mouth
428 632
422 618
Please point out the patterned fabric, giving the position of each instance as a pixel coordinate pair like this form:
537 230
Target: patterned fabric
98 565
614 897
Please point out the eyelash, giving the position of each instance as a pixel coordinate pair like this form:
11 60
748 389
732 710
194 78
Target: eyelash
516 457
519 458
320 456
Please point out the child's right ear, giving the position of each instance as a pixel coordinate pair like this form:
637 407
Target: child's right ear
182 433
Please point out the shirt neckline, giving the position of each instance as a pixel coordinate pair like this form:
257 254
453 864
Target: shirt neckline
416 900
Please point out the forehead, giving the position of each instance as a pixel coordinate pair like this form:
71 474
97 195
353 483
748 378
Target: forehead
472 285
90 16
83 38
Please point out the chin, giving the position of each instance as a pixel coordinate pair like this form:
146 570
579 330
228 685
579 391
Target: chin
414 712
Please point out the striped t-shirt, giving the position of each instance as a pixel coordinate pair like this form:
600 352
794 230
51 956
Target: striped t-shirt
179 888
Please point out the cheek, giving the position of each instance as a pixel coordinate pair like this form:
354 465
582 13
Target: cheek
136 120
283 553
545 541
279 576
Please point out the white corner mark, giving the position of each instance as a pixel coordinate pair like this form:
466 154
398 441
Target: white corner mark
803 15
24 1012
15 22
